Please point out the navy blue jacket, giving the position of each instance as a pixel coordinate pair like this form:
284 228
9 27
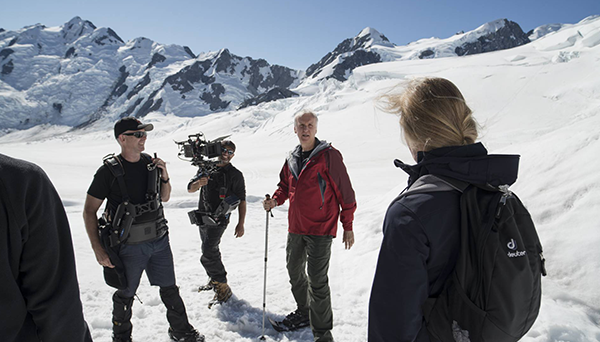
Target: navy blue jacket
39 293
421 239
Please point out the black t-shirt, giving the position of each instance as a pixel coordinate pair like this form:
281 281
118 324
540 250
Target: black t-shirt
105 185
228 177
304 156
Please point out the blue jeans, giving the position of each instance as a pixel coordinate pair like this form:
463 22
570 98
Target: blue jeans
155 257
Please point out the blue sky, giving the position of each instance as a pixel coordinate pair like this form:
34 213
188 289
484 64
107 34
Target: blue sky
291 33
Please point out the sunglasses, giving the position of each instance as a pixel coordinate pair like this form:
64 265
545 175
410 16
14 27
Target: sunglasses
136 134
228 151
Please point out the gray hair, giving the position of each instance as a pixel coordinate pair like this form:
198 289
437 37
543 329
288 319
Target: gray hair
304 112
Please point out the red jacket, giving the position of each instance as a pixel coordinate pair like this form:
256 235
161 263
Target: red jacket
316 192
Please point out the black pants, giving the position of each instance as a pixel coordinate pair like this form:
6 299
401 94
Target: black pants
211 255
176 313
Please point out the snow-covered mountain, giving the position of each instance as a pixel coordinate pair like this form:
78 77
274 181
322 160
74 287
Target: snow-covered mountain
370 46
77 73
540 100
350 54
544 30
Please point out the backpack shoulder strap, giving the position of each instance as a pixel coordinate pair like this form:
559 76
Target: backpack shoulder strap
153 188
147 157
113 163
116 168
431 183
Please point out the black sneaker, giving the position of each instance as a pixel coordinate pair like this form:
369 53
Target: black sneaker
296 320
189 336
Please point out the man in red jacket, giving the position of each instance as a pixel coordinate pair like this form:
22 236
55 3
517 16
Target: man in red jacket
315 181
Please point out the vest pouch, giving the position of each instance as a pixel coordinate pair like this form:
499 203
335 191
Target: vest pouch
195 217
143 232
209 221
114 277
201 218
227 206
121 223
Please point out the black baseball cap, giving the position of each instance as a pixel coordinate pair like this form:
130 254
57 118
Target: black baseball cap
130 124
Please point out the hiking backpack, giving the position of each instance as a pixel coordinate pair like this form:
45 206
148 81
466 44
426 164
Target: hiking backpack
494 292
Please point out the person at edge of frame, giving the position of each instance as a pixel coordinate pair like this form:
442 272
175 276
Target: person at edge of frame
39 293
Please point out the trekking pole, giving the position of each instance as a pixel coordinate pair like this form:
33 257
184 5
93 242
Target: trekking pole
265 280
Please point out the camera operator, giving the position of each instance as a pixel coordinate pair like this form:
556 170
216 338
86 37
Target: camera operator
225 185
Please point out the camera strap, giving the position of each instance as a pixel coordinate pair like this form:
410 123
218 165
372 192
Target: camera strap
222 192
223 189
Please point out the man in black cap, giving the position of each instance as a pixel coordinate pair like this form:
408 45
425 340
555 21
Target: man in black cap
135 185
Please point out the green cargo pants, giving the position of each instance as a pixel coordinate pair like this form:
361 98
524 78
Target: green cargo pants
311 253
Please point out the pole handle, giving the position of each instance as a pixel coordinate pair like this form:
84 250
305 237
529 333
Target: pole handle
268 197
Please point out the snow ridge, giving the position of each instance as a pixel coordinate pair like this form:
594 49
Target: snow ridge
78 73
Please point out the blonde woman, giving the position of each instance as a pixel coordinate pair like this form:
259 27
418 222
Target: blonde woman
422 230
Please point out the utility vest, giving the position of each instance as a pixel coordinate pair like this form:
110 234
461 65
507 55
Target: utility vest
206 215
122 222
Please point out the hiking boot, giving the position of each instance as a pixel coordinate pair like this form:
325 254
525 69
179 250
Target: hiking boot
209 286
222 291
296 320
188 336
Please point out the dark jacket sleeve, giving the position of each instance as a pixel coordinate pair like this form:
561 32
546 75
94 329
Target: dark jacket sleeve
46 276
400 286
342 187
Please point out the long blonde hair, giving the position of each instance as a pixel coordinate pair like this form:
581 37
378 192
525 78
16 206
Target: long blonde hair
433 114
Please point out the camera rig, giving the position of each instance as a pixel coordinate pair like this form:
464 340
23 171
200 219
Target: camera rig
201 153
204 154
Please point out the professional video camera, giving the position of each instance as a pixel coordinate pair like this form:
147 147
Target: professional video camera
201 152
204 154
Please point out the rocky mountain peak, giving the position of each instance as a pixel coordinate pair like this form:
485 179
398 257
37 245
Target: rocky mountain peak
350 54
75 28
106 36
496 35
369 37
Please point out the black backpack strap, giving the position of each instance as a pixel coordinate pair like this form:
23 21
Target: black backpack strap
431 183
116 168
153 188
458 185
